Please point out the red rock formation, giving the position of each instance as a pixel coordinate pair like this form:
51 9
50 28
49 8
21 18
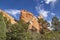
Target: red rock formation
35 24
29 17
26 16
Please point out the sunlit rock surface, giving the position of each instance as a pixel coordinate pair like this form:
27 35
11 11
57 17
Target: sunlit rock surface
33 21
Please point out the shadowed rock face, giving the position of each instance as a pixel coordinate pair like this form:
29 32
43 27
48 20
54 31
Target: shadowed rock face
35 24
9 18
33 21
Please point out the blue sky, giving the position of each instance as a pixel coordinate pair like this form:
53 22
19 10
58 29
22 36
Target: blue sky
47 8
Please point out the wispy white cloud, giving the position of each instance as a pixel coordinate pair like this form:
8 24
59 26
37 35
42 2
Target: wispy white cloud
41 11
12 11
38 8
51 2
53 14
44 13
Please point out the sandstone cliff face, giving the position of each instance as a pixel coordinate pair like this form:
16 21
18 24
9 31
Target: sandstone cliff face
35 24
26 16
9 18
33 21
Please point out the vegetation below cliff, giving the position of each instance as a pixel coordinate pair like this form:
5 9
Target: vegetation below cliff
20 31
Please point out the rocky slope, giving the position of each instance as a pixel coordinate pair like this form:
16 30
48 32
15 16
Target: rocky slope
33 21
27 17
9 18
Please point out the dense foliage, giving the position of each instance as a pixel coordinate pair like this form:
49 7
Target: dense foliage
19 31
2 28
